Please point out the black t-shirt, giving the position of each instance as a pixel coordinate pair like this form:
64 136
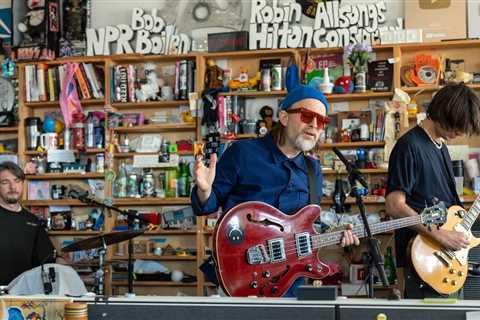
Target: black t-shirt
24 244
424 172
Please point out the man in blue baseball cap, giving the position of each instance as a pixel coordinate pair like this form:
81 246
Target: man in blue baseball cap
273 169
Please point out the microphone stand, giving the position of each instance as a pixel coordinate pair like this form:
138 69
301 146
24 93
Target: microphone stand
374 258
131 216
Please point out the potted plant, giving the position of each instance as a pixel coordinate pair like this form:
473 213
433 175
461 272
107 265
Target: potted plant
358 56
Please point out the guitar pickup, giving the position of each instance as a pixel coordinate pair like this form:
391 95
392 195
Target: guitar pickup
443 258
257 255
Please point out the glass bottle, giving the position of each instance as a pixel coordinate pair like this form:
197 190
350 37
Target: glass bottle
121 182
390 266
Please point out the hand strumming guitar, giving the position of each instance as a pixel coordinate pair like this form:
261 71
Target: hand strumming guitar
451 239
204 177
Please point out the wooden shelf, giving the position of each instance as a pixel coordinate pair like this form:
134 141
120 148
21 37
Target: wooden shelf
57 61
439 45
117 283
55 104
367 200
87 151
358 96
74 233
434 88
150 201
150 104
353 145
46 203
252 54
141 58
65 175
157 258
152 128
8 129
365 171
131 154
254 94
167 232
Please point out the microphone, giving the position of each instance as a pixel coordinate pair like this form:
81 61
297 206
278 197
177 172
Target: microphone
77 194
47 283
351 168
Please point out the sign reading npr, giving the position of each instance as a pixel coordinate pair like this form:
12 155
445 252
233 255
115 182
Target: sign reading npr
148 32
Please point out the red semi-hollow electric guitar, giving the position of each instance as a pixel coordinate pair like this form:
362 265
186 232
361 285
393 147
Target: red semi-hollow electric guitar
259 251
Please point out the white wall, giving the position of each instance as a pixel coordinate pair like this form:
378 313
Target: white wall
232 14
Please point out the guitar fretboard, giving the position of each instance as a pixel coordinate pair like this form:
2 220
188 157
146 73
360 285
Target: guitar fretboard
471 215
335 237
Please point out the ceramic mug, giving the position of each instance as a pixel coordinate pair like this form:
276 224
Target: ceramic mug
49 141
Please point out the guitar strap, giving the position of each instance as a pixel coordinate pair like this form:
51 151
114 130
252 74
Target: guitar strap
451 180
312 182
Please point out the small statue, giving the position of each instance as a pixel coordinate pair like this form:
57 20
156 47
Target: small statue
266 124
74 17
150 86
213 76
32 25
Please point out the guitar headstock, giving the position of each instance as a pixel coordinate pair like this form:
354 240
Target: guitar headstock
434 215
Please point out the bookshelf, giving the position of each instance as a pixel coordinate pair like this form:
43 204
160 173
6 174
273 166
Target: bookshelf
199 237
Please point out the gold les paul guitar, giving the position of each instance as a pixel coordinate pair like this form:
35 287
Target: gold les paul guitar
445 270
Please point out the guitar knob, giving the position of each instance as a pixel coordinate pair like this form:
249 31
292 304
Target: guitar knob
446 280
461 273
452 271
254 285
308 267
274 290
266 274
454 282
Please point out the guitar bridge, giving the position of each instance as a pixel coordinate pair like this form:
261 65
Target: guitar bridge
443 258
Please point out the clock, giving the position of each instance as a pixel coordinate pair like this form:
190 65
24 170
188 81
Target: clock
7 102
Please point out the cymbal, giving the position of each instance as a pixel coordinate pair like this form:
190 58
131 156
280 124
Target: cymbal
96 242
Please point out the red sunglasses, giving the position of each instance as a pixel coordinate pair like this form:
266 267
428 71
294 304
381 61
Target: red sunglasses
307 117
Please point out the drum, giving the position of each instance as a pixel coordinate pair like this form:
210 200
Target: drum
64 280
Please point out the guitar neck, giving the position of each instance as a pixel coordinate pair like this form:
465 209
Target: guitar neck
331 238
472 214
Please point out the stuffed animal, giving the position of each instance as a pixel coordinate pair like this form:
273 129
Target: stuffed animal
32 25
343 84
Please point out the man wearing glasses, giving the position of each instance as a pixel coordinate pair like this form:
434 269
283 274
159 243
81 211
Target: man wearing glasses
272 169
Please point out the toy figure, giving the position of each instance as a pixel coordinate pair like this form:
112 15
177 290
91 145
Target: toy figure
266 112
343 84
150 86
243 82
32 24
213 76
74 20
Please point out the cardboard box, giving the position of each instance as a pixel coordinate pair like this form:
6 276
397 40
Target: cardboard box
439 19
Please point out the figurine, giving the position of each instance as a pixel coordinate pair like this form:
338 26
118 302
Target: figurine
266 112
74 18
32 25
150 87
243 82
213 76
343 84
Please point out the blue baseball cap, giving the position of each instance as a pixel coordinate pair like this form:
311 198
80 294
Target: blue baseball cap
303 92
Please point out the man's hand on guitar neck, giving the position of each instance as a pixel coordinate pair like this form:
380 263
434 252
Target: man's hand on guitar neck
449 239
397 207
204 177
348 237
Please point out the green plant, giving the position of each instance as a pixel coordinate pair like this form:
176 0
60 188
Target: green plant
358 56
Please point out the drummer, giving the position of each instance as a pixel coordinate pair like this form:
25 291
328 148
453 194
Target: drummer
24 244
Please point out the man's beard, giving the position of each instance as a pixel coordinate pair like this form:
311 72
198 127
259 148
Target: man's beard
304 144
13 199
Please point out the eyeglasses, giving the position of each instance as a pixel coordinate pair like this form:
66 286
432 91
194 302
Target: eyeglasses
307 117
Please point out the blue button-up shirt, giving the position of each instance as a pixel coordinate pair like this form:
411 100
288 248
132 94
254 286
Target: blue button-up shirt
256 170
